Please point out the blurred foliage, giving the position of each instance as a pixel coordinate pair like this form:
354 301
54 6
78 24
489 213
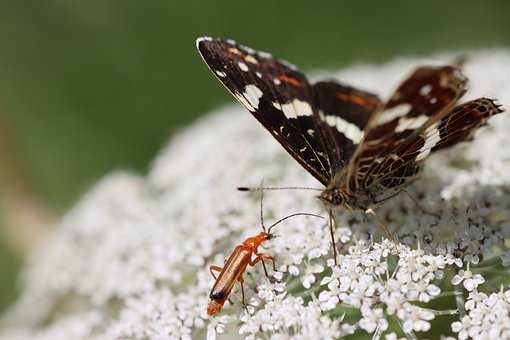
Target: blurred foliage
9 264
89 86
93 85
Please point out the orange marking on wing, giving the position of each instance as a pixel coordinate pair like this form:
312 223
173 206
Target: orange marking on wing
356 99
234 50
289 80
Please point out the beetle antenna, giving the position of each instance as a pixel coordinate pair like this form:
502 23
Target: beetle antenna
287 217
262 206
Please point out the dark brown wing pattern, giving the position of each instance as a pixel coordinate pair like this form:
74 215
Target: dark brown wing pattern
359 148
343 112
319 125
276 93
418 120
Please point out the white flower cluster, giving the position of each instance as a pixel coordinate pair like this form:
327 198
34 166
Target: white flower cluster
488 316
130 261
365 280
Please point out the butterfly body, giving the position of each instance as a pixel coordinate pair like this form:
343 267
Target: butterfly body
363 150
339 197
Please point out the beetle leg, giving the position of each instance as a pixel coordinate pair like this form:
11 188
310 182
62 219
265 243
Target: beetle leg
213 268
260 258
241 282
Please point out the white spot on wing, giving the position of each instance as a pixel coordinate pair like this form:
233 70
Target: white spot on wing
221 74
411 123
265 54
393 113
425 90
243 66
234 50
258 74
349 130
247 49
277 81
250 59
295 108
250 97
433 139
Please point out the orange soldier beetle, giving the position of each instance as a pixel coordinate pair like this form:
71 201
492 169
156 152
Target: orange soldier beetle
238 261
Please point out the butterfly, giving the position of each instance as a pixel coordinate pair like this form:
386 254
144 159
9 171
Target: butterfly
363 150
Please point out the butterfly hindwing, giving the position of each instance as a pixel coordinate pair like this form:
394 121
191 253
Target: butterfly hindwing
427 95
458 125
276 93
450 125
343 113
427 92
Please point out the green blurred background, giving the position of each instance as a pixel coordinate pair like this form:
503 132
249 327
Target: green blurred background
91 86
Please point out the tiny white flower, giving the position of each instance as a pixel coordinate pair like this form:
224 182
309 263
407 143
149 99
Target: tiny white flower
393 336
293 270
372 319
278 275
217 326
343 234
474 298
415 318
462 327
309 278
328 301
470 281
314 253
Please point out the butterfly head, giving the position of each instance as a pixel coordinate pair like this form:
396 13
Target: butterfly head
333 196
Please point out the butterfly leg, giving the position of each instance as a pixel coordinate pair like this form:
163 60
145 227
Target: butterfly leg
332 227
382 225
375 202
419 206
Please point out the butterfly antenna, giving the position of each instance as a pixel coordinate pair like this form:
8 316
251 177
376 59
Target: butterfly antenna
275 188
287 217
262 206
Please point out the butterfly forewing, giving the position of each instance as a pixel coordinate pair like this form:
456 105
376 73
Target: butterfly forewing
276 93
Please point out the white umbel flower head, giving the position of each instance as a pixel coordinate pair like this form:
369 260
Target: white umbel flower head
130 260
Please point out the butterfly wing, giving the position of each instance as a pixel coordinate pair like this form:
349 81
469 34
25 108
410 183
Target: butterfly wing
424 98
458 125
276 93
342 113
